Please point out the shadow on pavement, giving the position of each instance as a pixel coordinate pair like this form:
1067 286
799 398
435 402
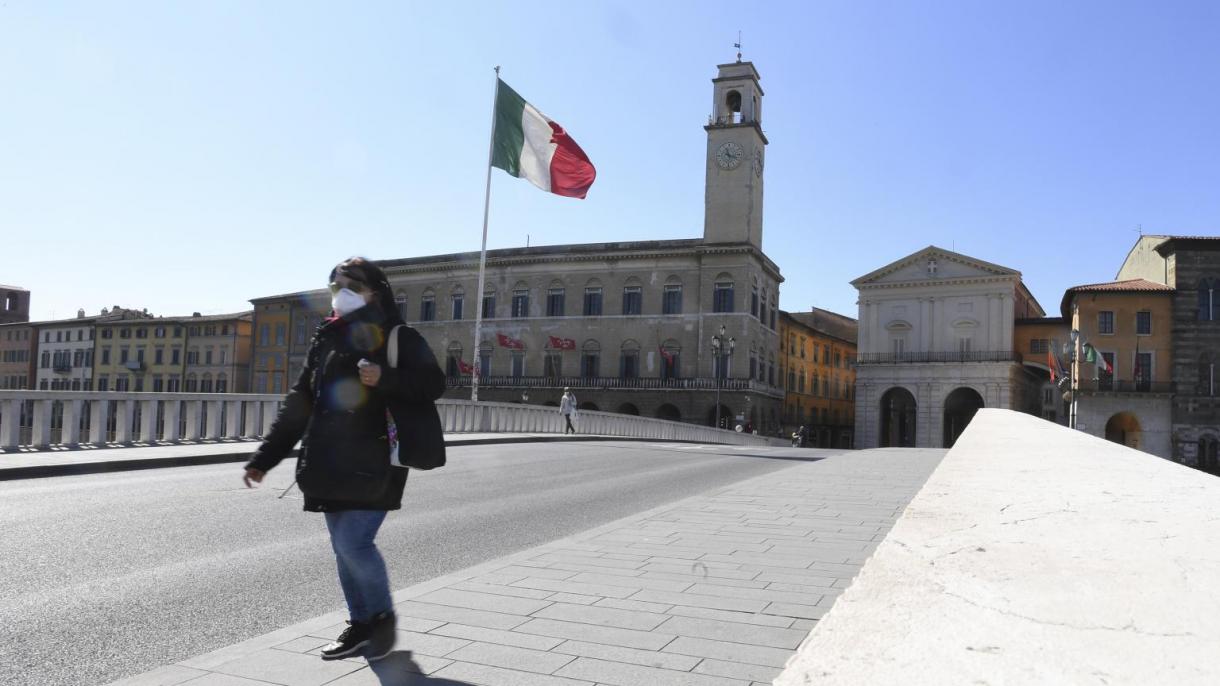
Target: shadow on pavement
399 669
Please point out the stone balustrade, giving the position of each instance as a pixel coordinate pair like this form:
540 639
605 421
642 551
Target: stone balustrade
39 420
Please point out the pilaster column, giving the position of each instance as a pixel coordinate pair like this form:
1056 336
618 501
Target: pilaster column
1007 308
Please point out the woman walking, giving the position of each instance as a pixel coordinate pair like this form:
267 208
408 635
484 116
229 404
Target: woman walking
338 409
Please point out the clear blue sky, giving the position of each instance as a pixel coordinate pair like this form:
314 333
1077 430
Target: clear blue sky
190 156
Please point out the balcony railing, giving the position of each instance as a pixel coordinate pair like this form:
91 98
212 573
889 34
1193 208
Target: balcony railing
1104 385
614 382
61 368
950 356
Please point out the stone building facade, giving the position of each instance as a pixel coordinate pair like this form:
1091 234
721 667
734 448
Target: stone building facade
628 326
65 355
217 353
936 344
17 345
14 305
1191 266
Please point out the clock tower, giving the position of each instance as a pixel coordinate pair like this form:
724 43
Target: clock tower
733 191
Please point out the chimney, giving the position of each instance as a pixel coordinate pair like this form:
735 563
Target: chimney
196 314
80 314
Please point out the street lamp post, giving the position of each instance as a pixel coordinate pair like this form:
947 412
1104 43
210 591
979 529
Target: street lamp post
718 344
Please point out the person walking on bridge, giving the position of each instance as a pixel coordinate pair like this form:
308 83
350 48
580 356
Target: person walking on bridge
339 409
567 407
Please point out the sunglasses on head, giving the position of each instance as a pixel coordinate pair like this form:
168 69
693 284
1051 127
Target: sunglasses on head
354 286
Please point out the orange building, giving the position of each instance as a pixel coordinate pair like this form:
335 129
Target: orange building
269 366
817 354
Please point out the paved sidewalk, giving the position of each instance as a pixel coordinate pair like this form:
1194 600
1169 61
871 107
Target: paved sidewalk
715 590
32 464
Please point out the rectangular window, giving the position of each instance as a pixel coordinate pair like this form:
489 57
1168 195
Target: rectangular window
722 297
400 301
427 308
554 302
755 307
175 356
106 355
158 384
107 333
1038 345
1105 322
553 365
121 384
276 383
140 354
207 356
489 305
1143 371
141 333
160 332
521 303
159 356
123 355
300 332
593 302
1143 323
671 302
590 364
173 385
900 346
281 334
633 300
484 363
124 332
964 344
103 383
264 335
458 302
518 358
1105 380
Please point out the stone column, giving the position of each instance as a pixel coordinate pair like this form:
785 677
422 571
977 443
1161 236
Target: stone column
938 324
10 423
148 420
171 419
124 420
993 322
1008 317
99 417
70 433
41 435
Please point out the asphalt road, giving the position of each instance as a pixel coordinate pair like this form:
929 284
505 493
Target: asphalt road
109 575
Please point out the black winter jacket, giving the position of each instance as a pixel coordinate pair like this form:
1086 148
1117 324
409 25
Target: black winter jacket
340 421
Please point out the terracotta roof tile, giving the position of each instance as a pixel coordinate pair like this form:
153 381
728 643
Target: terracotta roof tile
1128 285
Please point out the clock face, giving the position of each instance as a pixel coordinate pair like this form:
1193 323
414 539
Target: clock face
758 163
729 155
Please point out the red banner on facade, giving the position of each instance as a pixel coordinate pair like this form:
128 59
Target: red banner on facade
465 368
510 342
558 343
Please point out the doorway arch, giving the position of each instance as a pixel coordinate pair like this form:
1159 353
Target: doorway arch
897 419
1124 428
669 412
628 408
960 406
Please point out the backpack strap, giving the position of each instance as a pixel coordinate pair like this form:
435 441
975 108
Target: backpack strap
391 349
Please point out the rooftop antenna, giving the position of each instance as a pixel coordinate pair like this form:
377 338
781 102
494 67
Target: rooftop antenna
1140 228
738 46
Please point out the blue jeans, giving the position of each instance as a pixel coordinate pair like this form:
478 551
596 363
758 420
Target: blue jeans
362 572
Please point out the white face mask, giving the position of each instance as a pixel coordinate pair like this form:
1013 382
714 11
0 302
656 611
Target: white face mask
346 301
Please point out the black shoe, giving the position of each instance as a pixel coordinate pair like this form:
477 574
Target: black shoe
382 638
353 641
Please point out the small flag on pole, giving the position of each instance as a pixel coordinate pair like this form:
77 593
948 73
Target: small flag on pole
1092 355
529 145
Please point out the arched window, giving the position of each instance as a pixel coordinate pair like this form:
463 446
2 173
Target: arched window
590 359
485 350
400 301
722 293
1209 309
427 306
205 384
222 383
732 107
453 360
629 360
671 359
192 383
457 298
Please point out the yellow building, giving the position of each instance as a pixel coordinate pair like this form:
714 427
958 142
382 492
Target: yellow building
138 352
1130 324
269 366
1036 340
817 354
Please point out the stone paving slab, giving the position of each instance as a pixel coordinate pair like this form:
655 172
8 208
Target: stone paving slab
715 590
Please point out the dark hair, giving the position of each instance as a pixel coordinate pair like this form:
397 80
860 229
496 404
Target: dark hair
368 273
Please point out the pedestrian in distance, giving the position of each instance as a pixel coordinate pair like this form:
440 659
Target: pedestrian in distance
567 407
338 409
802 435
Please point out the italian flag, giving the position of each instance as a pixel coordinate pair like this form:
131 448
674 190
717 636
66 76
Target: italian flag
529 145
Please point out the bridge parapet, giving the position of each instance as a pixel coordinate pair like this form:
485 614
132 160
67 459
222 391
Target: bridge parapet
1035 555
37 420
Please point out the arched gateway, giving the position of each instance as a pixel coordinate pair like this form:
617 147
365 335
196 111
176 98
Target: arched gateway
1124 428
897 419
960 406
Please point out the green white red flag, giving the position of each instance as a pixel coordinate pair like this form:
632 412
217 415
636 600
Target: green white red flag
529 145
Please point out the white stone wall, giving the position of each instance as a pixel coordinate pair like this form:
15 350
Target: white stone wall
48 342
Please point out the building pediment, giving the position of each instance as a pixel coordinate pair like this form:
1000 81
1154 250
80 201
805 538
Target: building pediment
933 265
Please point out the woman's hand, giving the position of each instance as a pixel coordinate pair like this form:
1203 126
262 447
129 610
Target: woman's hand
255 475
370 373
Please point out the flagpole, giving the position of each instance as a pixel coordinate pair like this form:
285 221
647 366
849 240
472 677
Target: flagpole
478 307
